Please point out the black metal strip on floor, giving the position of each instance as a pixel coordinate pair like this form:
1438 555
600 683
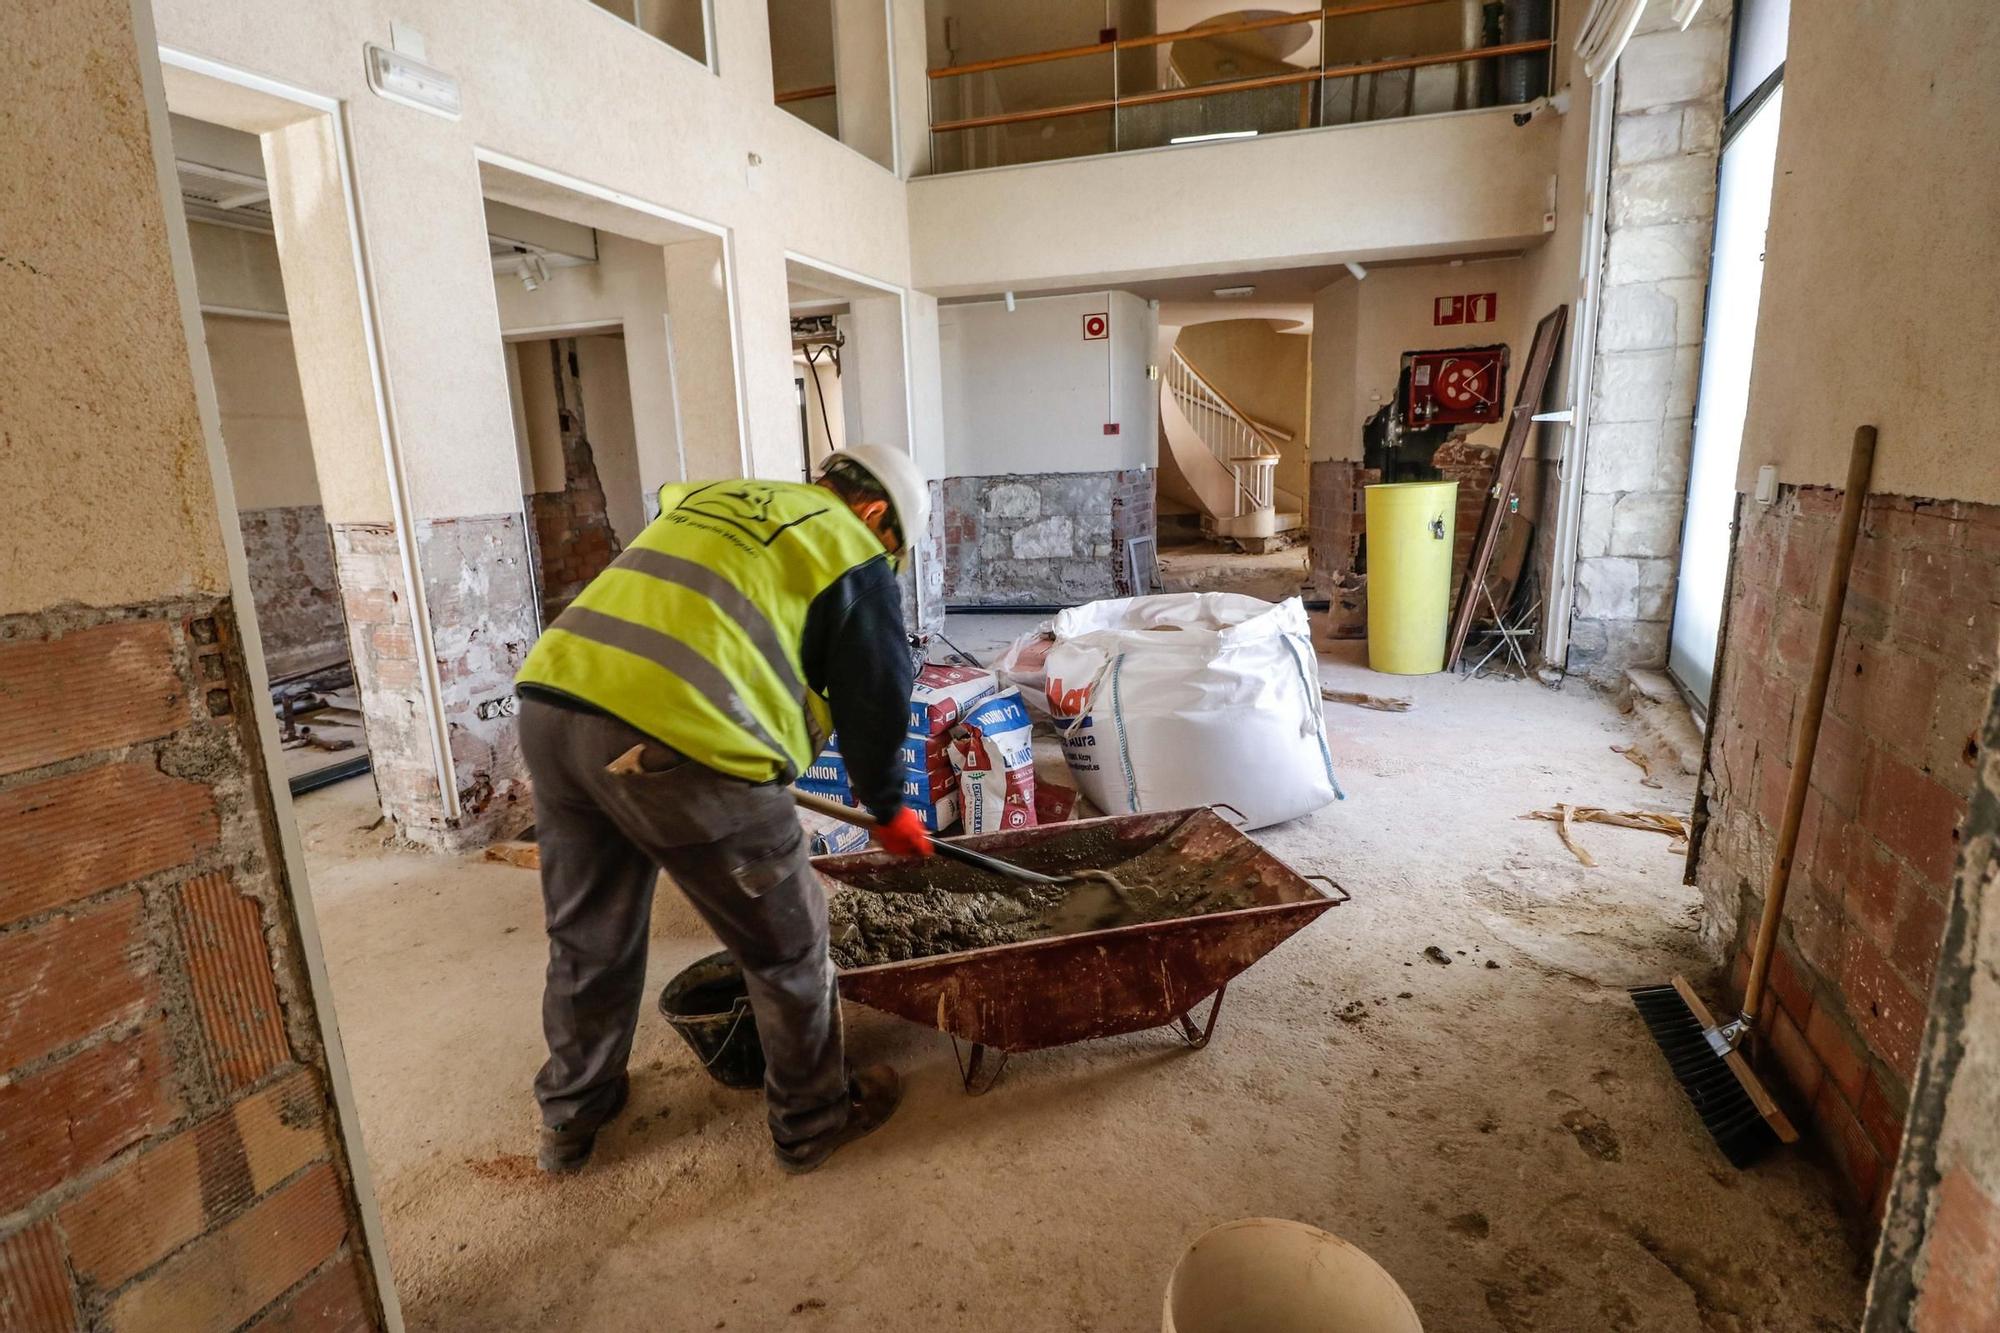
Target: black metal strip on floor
332 773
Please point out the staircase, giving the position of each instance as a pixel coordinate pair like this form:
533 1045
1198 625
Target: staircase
1242 455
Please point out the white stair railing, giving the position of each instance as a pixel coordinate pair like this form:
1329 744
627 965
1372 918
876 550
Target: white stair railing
1238 443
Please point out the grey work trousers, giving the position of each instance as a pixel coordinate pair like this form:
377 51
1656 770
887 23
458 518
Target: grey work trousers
736 850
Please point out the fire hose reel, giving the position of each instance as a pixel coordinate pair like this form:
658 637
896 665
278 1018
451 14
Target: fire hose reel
1457 388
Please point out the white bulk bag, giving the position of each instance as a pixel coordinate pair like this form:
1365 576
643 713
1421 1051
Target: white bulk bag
1192 699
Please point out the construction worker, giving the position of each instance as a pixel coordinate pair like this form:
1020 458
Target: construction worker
663 716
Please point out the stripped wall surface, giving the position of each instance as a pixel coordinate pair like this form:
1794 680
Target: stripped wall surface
290 554
1042 539
1897 759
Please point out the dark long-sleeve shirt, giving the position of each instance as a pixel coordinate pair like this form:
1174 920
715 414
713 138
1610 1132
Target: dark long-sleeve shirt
856 654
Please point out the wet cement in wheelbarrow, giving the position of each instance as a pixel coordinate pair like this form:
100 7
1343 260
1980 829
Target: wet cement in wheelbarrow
952 913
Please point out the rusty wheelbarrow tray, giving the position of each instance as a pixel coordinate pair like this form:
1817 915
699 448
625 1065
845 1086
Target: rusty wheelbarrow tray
1051 991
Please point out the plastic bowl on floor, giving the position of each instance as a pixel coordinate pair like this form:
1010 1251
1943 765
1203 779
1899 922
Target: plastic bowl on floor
1270 1275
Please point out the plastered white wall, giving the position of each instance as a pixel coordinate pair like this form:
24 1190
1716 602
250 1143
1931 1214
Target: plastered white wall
327 323
562 84
262 410
1881 299
1389 313
1025 392
608 424
1443 184
627 286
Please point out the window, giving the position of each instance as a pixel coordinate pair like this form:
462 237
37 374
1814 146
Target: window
681 24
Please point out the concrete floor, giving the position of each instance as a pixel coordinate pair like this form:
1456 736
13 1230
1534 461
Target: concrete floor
1208 567
1499 1132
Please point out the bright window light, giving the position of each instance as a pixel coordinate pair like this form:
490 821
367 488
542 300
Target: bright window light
1223 134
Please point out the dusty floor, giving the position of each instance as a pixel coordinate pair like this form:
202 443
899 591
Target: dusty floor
1205 567
1504 1139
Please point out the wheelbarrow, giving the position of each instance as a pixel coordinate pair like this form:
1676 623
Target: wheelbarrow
1067 987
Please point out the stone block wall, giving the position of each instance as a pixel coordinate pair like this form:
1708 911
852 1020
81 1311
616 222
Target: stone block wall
169 1157
1666 140
1054 538
1896 761
290 554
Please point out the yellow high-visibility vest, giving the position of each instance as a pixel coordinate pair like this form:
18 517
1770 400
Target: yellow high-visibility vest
693 634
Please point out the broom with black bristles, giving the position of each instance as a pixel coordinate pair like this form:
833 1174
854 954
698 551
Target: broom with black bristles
1705 1057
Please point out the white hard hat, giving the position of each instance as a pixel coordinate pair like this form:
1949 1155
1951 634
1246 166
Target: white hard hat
895 472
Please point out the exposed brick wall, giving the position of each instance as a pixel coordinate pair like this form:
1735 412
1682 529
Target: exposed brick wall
573 545
1133 514
1339 525
1044 538
1852 978
1938 1267
290 555
168 1155
574 540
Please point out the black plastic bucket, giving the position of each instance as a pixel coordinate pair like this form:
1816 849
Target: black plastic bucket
709 1005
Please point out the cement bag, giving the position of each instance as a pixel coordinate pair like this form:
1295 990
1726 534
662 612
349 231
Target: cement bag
993 749
1190 699
1024 666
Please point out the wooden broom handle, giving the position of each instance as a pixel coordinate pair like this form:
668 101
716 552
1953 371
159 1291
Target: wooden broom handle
1860 464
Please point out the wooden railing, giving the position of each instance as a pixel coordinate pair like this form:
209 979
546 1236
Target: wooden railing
1306 80
804 94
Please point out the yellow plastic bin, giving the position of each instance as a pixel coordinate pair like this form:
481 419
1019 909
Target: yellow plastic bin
1409 574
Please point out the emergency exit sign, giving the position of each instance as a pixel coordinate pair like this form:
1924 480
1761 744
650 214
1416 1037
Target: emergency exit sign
1477 308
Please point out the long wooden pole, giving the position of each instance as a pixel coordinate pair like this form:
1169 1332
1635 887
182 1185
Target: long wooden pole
1860 467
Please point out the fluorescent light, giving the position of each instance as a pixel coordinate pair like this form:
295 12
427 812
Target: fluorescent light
1232 293
1206 138
1356 269
1010 301
401 79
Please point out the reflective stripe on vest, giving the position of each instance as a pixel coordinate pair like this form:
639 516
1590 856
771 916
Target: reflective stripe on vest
693 634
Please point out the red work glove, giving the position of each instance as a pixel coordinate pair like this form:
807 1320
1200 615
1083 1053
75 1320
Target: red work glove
904 834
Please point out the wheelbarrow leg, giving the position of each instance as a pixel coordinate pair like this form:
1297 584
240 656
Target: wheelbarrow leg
1196 1038
969 1071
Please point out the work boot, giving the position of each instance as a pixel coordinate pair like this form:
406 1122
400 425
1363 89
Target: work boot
872 1095
566 1147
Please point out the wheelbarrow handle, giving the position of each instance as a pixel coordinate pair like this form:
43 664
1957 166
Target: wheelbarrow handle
847 814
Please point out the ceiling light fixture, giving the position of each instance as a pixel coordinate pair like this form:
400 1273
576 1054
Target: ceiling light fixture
1232 293
1356 269
1208 138
1010 302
